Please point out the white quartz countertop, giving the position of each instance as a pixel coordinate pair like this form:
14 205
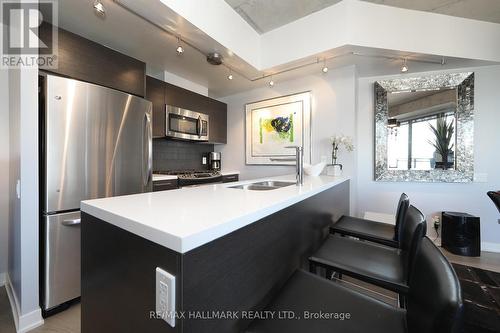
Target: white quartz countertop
187 218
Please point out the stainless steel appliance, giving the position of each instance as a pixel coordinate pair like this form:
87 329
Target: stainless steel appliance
186 125
214 160
194 177
96 142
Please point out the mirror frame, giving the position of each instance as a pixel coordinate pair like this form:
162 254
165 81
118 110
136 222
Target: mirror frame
464 152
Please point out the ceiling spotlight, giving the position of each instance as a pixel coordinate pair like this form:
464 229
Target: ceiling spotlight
404 68
271 83
99 8
325 68
230 76
180 49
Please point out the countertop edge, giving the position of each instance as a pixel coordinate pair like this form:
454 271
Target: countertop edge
204 236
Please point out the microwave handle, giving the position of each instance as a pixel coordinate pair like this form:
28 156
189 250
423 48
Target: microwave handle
199 126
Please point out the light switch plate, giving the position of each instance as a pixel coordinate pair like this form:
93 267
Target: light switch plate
480 177
204 160
165 296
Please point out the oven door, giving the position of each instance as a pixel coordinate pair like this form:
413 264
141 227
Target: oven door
185 124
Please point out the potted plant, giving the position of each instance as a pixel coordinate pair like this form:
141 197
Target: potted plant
338 142
443 132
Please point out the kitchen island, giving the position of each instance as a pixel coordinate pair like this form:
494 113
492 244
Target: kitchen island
230 250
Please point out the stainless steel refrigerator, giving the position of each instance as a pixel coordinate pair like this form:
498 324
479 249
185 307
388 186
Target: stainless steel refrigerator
95 142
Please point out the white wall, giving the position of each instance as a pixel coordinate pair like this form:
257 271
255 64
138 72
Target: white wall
176 80
184 83
434 198
333 112
4 175
23 199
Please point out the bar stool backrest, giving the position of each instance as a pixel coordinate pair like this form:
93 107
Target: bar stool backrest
434 303
412 231
403 204
495 197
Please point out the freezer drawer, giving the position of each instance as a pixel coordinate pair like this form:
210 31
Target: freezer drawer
61 271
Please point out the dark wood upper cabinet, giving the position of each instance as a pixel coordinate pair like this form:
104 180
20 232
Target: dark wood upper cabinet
155 92
217 112
186 99
85 60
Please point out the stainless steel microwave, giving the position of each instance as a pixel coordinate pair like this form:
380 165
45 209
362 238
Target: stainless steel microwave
186 124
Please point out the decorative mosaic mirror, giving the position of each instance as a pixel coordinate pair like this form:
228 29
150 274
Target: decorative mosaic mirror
424 128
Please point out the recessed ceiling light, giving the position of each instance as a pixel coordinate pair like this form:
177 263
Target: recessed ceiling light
99 8
404 68
271 82
325 67
179 49
230 76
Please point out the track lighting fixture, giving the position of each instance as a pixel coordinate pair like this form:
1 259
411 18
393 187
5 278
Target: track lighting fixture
325 68
271 82
99 8
404 68
180 49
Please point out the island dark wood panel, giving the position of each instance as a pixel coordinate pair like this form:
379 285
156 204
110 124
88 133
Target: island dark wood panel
118 279
243 270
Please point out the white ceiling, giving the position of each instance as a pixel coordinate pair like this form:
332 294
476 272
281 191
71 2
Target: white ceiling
482 10
266 15
127 33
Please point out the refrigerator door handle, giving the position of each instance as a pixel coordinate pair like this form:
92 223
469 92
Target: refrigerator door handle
148 149
71 222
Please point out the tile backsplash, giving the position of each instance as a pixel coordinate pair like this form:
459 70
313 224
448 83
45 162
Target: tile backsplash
179 155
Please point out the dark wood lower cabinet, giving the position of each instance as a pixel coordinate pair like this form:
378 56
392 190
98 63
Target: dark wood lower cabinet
164 185
230 178
241 271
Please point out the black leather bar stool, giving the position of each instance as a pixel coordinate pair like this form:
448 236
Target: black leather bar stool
372 231
495 197
434 303
380 265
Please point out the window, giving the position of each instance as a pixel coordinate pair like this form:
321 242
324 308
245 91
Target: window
409 145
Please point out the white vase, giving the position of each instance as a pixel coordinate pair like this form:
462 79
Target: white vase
334 170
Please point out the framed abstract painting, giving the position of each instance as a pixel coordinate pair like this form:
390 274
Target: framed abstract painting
274 124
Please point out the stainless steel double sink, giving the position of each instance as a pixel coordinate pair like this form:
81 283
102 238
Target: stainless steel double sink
263 185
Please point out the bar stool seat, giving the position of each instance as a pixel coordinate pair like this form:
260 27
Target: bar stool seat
308 292
372 231
373 263
380 265
434 303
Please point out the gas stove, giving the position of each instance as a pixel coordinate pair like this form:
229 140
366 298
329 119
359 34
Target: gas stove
194 177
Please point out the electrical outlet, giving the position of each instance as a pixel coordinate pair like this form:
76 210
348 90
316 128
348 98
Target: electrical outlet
437 222
204 160
165 296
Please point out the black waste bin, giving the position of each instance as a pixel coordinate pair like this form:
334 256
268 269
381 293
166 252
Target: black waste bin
461 234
